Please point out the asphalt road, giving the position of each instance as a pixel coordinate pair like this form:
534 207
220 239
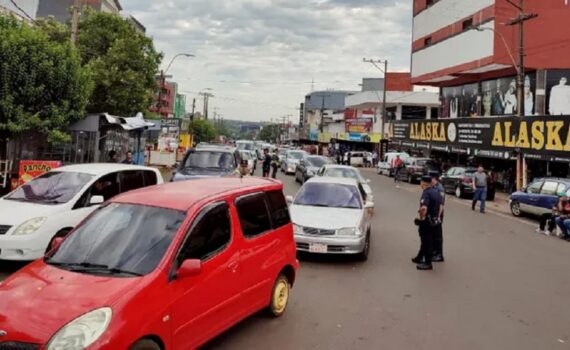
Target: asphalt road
502 287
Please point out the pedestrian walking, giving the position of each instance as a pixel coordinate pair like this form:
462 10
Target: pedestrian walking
129 158
374 158
348 156
427 221
275 164
480 181
438 239
266 165
397 165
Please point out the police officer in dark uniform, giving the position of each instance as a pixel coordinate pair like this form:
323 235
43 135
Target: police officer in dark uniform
438 240
429 213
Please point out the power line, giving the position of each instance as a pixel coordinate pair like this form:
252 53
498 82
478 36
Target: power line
22 10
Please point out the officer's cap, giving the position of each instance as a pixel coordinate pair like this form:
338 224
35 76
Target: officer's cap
426 178
434 174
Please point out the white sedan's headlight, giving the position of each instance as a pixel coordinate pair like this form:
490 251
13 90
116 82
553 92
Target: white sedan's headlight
297 230
30 226
348 231
83 331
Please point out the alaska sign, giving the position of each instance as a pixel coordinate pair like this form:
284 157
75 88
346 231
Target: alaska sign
540 135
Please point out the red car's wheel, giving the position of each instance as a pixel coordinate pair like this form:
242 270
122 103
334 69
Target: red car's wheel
279 296
145 344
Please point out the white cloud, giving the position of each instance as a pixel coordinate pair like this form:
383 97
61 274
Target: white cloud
260 56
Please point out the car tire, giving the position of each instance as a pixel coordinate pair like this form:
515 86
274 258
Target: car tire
145 344
516 208
279 296
363 256
458 192
61 233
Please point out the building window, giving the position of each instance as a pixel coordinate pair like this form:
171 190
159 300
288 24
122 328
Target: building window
413 112
427 41
468 24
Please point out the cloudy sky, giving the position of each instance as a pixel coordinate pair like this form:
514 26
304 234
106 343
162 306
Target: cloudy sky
260 57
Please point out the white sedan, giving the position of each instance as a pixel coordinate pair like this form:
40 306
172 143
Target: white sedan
334 170
52 204
330 215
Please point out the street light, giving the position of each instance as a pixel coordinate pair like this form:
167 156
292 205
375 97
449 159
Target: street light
163 78
507 47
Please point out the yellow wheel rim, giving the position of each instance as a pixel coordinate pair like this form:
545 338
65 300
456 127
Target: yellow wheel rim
280 296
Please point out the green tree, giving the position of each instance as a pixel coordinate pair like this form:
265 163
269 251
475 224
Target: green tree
203 131
124 63
43 86
270 133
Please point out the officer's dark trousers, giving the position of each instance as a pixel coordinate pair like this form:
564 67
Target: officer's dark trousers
274 172
438 240
427 235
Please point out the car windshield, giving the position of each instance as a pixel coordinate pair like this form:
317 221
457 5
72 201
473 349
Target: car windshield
344 172
246 146
54 187
329 195
121 239
316 161
210 160
295 155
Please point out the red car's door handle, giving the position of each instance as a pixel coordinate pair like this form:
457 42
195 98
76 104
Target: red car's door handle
233 266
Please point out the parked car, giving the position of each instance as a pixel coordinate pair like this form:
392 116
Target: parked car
292 158
459 181
415 168
356 158
385 164
246 155
207 161
334 170
51 205
332 215
309 166
539 197
169 267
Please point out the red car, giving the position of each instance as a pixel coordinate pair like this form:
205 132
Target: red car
165 267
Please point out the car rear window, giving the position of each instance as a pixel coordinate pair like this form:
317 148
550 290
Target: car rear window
253 215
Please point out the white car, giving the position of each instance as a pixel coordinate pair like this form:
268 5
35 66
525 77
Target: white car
292 158
331 215
52 204
385 164
334 170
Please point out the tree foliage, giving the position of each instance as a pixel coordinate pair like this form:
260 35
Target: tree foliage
270 133
203 131
43 86
124 63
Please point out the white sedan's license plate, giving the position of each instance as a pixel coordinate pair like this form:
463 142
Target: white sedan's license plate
318 248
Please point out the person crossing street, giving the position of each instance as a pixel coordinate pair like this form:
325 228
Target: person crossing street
427 221
275 164
266 166
480 180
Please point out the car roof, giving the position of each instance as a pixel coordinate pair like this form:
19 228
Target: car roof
339 166
217 148
184 194
559 179
333 180
100 168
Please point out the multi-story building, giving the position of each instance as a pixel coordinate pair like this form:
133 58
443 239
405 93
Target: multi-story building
469 49
180 106
167 98
59 9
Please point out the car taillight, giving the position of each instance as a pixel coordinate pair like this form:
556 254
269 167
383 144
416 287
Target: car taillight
467 180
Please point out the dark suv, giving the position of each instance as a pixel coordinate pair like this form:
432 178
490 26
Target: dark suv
459 180
207 161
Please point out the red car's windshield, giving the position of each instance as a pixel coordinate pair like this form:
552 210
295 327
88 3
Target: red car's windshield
119 239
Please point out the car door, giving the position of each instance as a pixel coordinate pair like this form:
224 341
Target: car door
106 186
262 228
547 198
530 198
206 304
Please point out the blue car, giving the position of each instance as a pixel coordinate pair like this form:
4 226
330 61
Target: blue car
539 197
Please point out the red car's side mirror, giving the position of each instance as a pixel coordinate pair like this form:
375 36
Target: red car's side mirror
189 268
56 243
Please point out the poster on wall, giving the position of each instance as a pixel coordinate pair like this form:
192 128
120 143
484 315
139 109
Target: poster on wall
30 169
460 101
500 96
359 125
558 92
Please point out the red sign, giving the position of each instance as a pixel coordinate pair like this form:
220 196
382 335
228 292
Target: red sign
359 125
30 169
350 113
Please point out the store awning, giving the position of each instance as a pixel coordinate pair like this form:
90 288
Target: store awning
130 124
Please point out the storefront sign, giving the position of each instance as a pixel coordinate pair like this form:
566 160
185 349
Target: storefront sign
544 135
359 125
30 169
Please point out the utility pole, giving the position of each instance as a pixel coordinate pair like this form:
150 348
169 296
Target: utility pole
322 122
520 21
193 110
74 21
376 63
